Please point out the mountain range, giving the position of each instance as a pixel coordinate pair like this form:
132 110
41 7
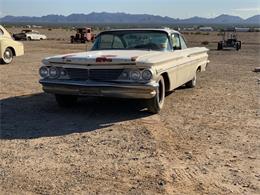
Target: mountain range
124 18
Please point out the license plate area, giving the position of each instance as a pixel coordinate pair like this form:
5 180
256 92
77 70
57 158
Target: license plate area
90 91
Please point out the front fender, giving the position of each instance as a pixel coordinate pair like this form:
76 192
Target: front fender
15 45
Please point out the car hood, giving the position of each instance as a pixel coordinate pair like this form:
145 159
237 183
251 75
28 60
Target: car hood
102 57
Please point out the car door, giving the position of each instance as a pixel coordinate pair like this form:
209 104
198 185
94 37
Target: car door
36 36
183 65
31 35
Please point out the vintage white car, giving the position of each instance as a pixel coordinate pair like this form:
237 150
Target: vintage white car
9 47
29 35
130 63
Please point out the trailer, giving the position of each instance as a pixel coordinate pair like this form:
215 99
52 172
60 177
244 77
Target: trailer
83 35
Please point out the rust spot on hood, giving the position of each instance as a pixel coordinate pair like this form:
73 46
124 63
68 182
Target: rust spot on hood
105 58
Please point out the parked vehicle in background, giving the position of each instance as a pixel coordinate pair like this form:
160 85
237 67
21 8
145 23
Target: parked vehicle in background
131 63
229 41
83 35
29 35
206 29
9 47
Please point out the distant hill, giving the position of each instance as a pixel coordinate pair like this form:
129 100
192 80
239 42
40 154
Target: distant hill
123 18
254 19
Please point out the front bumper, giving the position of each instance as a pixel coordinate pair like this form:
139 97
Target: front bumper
105 89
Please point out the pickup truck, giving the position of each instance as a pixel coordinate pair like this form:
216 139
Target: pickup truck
128 63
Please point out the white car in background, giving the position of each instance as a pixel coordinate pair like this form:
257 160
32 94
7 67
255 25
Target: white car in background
29 35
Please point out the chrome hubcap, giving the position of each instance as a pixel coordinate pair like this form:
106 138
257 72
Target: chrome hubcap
8 56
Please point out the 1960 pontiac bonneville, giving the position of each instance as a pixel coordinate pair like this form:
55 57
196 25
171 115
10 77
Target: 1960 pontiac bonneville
130 63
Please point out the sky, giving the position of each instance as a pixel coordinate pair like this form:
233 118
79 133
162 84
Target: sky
172 8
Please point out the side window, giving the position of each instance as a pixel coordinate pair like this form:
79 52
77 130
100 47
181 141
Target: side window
1 32
183 43
176 42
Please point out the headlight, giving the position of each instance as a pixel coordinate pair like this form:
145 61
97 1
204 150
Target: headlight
44 72
147 75
54 73
135 75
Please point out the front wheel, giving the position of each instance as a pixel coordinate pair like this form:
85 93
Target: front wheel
66 100
155 104
8 56
192 83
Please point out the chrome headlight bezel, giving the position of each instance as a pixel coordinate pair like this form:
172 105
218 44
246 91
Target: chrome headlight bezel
54 72
135 75
147 75
44 72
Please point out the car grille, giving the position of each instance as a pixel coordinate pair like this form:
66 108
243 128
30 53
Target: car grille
94 74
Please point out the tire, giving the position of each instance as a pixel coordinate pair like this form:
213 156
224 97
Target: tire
29 38
238 46
192 83
220 46
7 57
66 100
155 104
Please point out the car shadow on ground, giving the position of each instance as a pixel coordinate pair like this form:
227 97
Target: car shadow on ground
38 115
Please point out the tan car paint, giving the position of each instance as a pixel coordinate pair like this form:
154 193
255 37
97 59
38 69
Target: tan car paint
179 65
6 41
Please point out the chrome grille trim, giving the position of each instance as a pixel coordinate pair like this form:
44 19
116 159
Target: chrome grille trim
94 74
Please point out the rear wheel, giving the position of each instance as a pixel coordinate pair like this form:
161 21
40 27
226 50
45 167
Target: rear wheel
8 56
66 100
155 104
192 83
71 39
29 38
238 46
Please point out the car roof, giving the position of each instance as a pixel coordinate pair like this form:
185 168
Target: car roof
167 30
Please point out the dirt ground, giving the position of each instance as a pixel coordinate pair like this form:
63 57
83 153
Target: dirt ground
205 140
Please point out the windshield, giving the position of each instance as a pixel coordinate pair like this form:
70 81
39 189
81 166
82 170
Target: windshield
137 40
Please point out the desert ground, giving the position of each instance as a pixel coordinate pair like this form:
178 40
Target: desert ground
206 140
